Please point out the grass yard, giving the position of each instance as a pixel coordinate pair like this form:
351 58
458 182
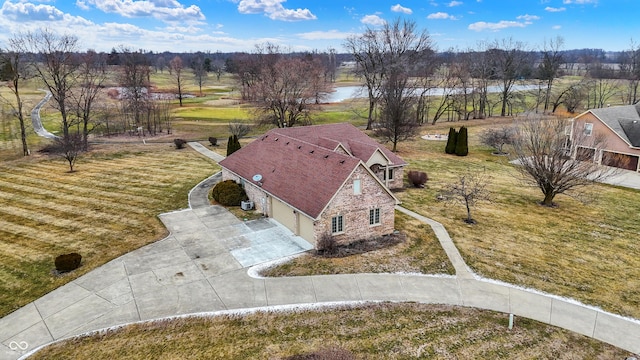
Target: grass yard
419 253
389 331
589 252
105 209
584 251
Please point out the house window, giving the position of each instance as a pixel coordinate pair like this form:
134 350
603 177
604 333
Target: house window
337 224
388 174
374 216
357 187
588 129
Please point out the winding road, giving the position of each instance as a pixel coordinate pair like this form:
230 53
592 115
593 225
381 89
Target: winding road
37 122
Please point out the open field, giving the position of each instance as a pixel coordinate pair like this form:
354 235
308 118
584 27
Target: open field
105 209
389 331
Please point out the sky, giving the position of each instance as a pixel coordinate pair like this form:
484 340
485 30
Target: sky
297 25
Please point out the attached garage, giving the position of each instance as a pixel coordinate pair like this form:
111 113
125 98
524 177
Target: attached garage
283 214
623 161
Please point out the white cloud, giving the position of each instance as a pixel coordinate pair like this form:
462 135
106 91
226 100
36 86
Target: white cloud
325 35
165 10
441 16
556 27
552 9
580 1
454 3
374 20
274 10
82 5
401 9
528 17
28 13
481 25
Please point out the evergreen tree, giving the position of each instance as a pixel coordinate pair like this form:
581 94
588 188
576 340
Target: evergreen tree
462 145
233 145
451 141
230 146
236 143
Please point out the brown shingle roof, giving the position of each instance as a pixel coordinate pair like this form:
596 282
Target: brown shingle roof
300 173
348 135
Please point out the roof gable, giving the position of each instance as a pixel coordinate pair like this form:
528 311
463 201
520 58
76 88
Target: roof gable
615 116
349 136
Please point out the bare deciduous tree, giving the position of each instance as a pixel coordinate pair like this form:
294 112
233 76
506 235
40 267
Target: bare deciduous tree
550 65
381 54
239 129
69 147
56 64
199 70
134 79
176 72
15 69
285 91
548 159
510 60
497 138
397 116
469 189
92 73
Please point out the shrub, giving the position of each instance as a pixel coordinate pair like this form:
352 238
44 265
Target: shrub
498 138
327 245
462 144
228 193
417 178
233 145
213 141
239 129
179 143
68 262
451 141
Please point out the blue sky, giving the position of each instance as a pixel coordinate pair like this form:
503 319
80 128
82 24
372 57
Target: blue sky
238 25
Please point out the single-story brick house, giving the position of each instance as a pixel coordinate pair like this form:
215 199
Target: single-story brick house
317 180
619 126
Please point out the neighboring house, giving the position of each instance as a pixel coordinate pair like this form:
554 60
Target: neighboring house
619 126
318 180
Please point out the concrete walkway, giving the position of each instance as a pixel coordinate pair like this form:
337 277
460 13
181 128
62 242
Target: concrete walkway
198 268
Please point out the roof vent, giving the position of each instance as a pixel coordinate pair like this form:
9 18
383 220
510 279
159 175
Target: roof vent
257 177
326 156
299 146
311 152
341 161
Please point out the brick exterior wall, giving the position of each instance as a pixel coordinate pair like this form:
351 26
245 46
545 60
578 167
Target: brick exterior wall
398 176
355 210
254 193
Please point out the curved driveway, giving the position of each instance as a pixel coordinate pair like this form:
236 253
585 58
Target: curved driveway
37 122
196 270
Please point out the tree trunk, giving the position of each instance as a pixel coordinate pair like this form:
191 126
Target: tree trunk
548 199
469 219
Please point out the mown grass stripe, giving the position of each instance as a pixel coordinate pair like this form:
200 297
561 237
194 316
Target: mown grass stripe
76 199
56 219
92 188
89 214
